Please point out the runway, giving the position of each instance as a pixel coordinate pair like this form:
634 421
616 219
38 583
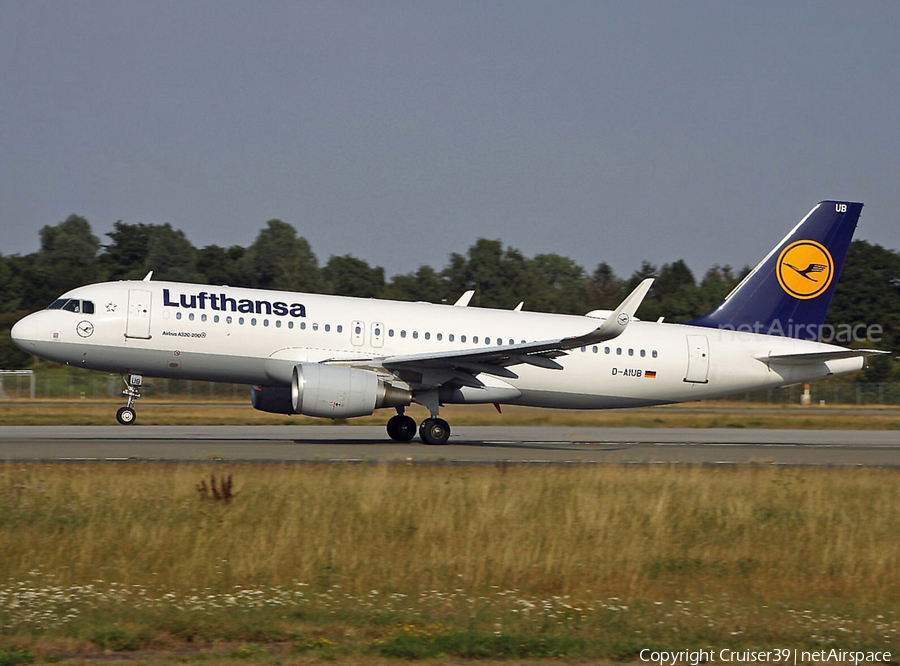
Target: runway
468 445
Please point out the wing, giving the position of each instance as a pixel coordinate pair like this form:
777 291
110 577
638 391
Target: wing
461 367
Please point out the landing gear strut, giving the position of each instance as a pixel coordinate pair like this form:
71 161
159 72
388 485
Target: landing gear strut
126 415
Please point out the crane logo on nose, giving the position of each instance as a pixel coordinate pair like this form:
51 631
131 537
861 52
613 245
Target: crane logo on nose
805 269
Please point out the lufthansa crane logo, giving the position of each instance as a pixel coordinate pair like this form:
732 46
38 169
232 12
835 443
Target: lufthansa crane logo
805 269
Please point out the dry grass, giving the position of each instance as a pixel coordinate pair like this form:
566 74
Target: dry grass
690 415
358 562
635 533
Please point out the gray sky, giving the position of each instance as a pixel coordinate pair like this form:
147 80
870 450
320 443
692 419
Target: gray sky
400 132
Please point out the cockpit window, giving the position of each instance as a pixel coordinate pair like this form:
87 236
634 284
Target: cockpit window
72 305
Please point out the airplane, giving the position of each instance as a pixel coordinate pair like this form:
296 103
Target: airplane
340 357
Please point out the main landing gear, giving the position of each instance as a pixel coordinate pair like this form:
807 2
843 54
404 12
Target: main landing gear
434 430
126 415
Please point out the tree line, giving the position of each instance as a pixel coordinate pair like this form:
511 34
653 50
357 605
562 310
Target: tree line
71 255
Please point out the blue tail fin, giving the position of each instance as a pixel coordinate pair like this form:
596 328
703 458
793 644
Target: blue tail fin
789 292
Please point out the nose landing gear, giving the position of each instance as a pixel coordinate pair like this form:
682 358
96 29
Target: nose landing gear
126 415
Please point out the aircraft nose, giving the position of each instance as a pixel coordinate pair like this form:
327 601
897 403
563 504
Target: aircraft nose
23 332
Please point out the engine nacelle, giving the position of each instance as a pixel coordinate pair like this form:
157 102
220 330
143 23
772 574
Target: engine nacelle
272 399
336 392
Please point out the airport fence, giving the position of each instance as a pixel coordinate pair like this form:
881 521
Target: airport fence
83 385
75 384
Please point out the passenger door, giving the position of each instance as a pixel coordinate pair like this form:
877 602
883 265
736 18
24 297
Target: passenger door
138 323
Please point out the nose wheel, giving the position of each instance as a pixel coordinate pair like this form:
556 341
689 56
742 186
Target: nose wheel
127 415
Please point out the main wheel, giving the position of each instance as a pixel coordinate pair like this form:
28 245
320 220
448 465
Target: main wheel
401 428
126 415
434 431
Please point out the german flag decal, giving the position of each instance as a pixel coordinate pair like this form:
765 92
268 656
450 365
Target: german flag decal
650 374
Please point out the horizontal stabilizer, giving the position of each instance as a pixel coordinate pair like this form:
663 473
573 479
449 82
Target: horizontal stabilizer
820 357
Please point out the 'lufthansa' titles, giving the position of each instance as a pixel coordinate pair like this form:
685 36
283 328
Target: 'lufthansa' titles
223 303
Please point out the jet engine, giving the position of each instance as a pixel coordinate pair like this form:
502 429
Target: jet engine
337 392
272 399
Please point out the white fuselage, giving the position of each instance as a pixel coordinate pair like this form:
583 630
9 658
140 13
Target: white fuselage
251 336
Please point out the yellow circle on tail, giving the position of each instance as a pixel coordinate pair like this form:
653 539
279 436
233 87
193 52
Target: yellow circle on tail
805 269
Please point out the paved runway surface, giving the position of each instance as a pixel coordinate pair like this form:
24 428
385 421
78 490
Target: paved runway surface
468 444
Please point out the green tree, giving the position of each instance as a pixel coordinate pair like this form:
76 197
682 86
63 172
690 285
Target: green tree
279 259
125 257
561 285
501 278
604 290
171 256
68 257
349 276
868 294
221 265
423 285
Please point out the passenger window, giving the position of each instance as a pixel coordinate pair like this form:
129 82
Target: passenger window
340 329
241 321
462 338
302 325
643 353
487 341
451 337
228 320
290 324
315 327
203 317
277 323
654 353
440 336
390 332
402 334
619 351
358 330
584 349
327 328
177 315
596 349
265 322
631 352
415 335
216 319
606 350
475 339
252 321
427 335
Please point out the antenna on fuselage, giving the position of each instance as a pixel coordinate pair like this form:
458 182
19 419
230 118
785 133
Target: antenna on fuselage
147 277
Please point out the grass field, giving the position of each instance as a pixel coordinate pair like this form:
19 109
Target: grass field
690 415
357 563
